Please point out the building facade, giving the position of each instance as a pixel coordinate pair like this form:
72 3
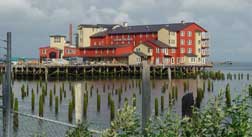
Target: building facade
161 44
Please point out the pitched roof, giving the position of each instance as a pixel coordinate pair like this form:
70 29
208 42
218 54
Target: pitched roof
104 47
144 28
141 54
160 44
190 55
57 35
149 28
97 25
99 34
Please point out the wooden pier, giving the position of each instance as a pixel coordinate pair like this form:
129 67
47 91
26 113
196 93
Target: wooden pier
85 71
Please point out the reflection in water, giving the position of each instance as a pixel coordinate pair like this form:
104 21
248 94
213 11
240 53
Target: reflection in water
101 120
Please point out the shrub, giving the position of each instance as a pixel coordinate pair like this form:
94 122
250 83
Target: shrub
125 124
80 131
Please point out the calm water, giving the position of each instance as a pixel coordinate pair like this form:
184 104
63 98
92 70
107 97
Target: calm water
101 120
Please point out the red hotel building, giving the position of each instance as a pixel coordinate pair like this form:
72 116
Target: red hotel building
178 43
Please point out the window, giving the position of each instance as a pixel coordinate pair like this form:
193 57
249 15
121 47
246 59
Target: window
157 50
112 42
172 60
146 35
95 43
138 60
182 50
192 59
162 50
140 35
96 51
128 42
182 33
189 42
173 51
138 49
172 41
57 40
199 42
107 51
166 51
149 50
157 60
84 51
182 42
172 33
182 59
44 51
189 33
198 50
113 51
189 50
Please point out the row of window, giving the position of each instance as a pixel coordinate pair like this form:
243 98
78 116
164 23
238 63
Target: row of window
128 36
102 51
182 42
189 33
189 50
57 40
179 60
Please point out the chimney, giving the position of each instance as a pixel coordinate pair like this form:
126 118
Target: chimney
70 34
182 21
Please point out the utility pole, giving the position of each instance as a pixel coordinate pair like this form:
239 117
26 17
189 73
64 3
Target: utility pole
7 90
146 95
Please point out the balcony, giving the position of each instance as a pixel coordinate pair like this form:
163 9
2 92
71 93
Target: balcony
204 53
204 36
204 44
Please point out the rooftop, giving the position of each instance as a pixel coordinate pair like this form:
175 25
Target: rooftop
143 28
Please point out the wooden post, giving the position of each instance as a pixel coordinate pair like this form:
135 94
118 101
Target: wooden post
46 73
169 73
78 103
146 95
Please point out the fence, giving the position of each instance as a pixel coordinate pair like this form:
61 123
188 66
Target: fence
34 126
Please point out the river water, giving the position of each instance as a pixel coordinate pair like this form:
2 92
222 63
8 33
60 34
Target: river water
101 120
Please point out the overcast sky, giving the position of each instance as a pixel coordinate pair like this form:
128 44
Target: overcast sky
32 21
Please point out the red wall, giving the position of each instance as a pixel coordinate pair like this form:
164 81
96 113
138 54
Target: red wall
48 51
123 39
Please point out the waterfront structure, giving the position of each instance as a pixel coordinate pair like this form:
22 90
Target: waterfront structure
160 44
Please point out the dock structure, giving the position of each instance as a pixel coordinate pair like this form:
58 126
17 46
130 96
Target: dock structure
109 70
